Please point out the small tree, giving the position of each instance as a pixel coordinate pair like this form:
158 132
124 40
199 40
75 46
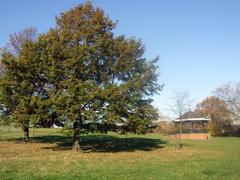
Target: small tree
181 103
20 82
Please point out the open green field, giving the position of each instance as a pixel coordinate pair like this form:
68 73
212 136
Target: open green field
152 156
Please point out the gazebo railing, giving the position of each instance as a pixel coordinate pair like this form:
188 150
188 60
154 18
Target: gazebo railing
190 131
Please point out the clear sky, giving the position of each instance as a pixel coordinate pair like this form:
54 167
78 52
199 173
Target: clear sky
198 41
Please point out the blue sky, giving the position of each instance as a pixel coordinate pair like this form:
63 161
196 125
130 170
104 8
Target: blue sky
198 41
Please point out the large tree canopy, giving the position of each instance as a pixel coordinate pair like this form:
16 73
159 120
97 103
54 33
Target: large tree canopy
91 79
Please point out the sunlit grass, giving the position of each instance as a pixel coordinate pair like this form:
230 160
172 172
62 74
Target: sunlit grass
152 156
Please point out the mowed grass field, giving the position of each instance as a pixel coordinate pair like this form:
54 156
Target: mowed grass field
106 156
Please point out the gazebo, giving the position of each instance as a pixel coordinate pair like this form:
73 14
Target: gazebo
193 127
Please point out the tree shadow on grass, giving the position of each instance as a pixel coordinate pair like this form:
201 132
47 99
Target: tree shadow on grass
106 143
99 143
40 139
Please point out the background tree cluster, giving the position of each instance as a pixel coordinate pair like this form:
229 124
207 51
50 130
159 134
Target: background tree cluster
80 74
224 110
216 109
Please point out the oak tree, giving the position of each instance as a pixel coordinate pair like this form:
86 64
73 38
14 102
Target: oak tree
99 81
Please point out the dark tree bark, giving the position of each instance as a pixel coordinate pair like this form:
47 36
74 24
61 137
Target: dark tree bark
179 144
26 134
126 139
76 135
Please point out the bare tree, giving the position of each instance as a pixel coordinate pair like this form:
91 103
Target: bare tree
17 39
15 42
230 94
181 103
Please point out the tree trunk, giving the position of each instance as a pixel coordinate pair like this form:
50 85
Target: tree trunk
179 144
33 131
26 134
76 144
126 140
76 135
181 128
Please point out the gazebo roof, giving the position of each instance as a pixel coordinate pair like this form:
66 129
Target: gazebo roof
193 120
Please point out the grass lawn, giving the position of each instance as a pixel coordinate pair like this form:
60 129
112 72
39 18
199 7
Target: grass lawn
151 156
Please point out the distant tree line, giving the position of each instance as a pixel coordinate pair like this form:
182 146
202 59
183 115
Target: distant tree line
78 73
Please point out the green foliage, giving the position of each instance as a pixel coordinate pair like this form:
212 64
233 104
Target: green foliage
90 79
99 80
20 85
